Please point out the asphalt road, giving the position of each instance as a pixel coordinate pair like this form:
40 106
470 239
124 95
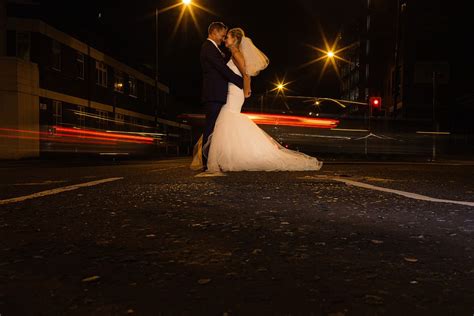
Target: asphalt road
155 238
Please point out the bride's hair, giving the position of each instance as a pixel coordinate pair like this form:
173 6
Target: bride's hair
238 34
255 60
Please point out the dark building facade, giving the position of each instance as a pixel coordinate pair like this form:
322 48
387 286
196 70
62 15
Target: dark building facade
396 47
77 74
353 76
416 56
421 65
370 40
78 86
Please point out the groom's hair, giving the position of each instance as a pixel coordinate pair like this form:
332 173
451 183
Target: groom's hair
216 26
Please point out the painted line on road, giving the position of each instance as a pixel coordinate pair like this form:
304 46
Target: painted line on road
463 163
164 169
208 174
402 193
58 190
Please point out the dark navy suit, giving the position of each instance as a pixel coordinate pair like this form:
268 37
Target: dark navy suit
215 75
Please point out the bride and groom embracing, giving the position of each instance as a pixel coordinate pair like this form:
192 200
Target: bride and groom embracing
231 141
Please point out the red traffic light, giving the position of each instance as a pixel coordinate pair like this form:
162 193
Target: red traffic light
375 102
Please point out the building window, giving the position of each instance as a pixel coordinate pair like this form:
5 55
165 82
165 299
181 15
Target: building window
100 74
119 118
403 7
134 122
132 84
23 45
352 66
56 49
103 115
81 115
119 82
356 77
103 119
57 112
80 65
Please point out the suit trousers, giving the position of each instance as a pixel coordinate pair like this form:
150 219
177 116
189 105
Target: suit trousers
212 112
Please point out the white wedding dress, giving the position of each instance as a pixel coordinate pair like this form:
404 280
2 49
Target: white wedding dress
238 144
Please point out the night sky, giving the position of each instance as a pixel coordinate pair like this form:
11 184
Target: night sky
125 30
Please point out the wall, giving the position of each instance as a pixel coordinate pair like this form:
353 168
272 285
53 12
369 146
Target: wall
19 109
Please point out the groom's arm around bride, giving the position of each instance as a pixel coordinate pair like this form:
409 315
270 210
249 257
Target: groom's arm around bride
216 74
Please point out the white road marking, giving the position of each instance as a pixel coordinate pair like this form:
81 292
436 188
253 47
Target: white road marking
433 133
58 190
402 163
210 174
402 193
114 154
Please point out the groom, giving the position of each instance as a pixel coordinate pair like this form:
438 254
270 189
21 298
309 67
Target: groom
216 75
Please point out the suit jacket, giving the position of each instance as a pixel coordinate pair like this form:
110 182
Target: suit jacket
216 74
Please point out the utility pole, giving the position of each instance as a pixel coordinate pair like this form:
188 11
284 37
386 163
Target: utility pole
435 124
3 27
157 91
397 81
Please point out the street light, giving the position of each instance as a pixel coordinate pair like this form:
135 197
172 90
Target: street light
330 54
340 102
280 86
157 12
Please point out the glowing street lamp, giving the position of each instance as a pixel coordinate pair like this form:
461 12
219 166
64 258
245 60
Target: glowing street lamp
187 5
280 87
330 55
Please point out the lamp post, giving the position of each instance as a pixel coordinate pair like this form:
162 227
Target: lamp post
280 88
157 92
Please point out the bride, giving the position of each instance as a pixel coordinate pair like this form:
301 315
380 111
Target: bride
237 143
